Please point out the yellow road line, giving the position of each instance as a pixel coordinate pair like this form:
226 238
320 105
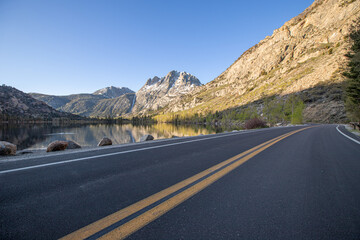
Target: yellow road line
149 216
140 221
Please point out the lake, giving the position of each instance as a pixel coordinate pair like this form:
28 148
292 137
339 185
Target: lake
37 137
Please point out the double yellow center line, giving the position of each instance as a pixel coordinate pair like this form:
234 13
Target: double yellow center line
121 224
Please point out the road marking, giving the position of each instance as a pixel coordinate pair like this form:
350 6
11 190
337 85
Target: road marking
118 216
337 128
117 153
112 154
112 147
115 226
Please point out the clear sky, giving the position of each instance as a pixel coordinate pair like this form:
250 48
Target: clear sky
78 46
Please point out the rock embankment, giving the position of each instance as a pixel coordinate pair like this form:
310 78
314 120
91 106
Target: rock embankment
9 149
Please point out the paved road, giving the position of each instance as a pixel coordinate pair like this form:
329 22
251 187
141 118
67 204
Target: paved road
283 183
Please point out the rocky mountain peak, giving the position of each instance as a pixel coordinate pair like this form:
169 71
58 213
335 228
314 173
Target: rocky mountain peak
176 80
158 92
152 81
187 79
173 80
172 74
113 92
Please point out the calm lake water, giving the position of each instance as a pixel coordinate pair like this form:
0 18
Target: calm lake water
36 137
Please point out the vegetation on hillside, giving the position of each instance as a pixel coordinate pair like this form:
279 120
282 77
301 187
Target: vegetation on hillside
274 110
352 93
278 110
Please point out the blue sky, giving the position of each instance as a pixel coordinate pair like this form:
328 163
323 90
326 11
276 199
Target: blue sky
78 46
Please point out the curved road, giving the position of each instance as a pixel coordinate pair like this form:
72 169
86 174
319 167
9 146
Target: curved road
279 183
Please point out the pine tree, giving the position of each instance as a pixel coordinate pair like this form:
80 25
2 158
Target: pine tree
352 93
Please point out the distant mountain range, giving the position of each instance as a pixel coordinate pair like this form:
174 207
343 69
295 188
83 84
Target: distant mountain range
113 101
89 104
15 103
305 57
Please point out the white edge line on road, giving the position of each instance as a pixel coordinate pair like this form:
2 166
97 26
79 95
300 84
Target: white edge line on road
85 150
337 128
123 152
112 154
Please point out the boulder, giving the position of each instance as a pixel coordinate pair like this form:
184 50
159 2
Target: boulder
146 138
7 148
105 142
57 146
72 145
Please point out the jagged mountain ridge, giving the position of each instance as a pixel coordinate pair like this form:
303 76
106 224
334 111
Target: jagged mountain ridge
112 101
159 92
305 55
15 103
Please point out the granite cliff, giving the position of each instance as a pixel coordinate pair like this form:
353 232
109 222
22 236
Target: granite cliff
305 56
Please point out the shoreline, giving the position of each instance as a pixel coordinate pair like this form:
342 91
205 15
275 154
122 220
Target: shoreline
36 153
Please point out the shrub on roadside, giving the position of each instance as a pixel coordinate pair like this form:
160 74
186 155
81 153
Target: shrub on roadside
254 123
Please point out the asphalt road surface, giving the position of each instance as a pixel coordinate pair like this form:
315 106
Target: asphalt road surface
280 183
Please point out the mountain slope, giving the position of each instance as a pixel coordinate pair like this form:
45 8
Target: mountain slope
159 92
53 101
305 55
84 104
114 107
15 103
81 104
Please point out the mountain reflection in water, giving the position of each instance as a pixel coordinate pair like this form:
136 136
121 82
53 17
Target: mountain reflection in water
39 136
